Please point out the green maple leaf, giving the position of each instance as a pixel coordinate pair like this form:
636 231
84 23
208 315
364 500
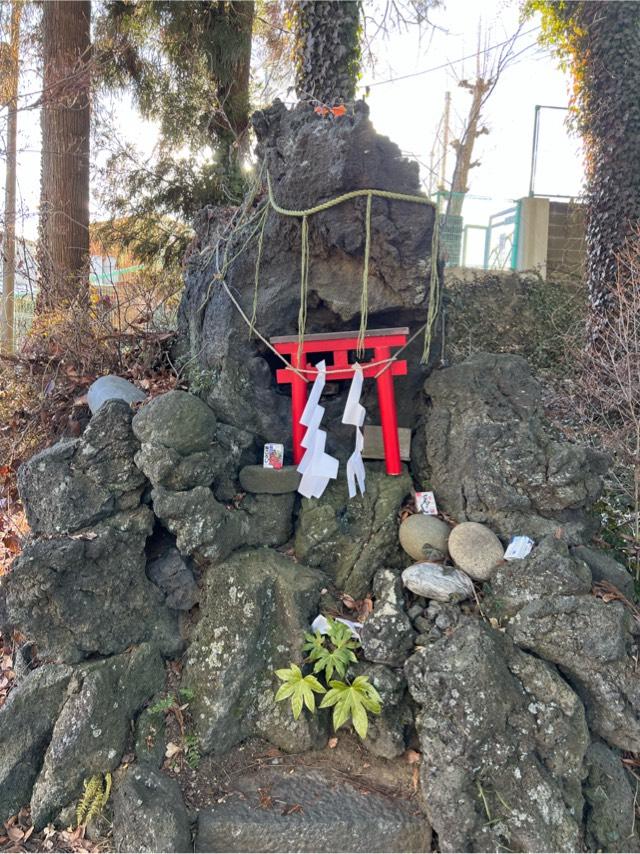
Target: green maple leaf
299 688
353 701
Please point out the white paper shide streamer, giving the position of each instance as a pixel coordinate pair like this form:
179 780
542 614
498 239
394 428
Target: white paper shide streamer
316 467
354 413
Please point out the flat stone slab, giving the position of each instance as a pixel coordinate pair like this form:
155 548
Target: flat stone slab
270 481
111 387
275 810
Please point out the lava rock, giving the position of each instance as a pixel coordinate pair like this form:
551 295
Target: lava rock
549 569
359 822
434 581
27 720
425 537
209 530
111 387
149 814
484 447
308 162
91 733
271 481
150 737
257 606
496 727
177 420
75 484
174 577
350 538
604 568
387 635
610 797
590 641
83 595
475 549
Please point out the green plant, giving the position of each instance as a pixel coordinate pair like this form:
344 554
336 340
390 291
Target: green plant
94 798
191 747
300 688
327 659
352 701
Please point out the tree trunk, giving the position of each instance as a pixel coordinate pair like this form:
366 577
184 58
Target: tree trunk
464 147
9 239
66 116
327 50
607 71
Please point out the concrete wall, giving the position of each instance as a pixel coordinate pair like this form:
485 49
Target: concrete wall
551 237
565 249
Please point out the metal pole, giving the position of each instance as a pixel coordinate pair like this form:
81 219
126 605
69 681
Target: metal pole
534 147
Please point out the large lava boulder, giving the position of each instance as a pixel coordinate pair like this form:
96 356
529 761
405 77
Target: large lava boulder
485 448
309 160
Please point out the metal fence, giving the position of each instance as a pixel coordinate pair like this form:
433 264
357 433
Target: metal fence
484 236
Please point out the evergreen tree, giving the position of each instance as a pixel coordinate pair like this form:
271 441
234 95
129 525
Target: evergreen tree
66 119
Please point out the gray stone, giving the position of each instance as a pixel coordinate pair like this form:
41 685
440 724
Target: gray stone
272 481
168 468
386 733
234 449
149 814
208 529
257 606
75 484
387 636
308 161
548 570
486 450
425 537
590 641
26 723
150 737
475 549
83 595
351 538
111 387
176 420
333 816
503 739
604 568
611 803
174 577
91 733
434 581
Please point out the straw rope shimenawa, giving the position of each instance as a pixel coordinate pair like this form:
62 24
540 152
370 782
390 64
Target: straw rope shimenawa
303 215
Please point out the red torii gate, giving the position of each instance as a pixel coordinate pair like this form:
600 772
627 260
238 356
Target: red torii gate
338 345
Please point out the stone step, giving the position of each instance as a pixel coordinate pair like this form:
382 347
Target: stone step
278 809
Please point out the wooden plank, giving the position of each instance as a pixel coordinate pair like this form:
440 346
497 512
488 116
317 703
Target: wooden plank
374 448
336 336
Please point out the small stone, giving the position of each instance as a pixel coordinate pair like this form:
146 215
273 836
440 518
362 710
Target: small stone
171 573
423 640
415 611
475 549
443 621
422 624
435 634
438 582
112 388
270 481
424 537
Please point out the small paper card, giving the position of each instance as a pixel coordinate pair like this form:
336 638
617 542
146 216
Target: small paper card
426 503
518 548
273 456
